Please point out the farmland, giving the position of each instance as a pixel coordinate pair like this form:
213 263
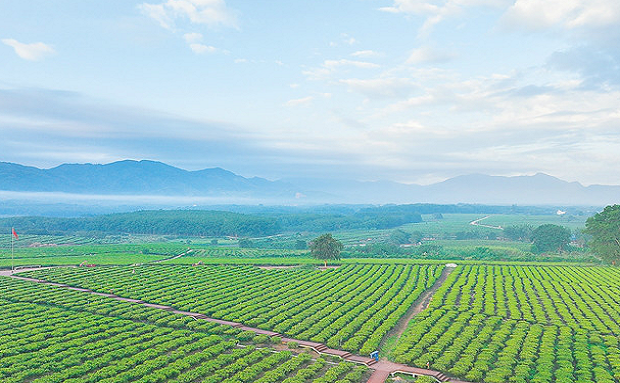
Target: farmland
550 318
449 237
520 324
50 334
492 323
114 254
351 307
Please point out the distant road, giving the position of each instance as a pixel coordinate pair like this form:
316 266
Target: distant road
477 223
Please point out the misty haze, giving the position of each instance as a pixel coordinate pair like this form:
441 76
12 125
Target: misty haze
360 191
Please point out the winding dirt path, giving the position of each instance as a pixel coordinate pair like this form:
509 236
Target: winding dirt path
175 257
382 369
476 222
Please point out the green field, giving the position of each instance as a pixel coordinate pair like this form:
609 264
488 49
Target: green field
502 322
118 254
570 221
520 324
51 334
129 249
351 307
552 317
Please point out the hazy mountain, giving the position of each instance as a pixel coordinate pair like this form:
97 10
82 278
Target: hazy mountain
133 177
538 189
128 179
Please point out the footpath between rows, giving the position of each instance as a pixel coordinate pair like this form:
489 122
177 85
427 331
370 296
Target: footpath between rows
382 368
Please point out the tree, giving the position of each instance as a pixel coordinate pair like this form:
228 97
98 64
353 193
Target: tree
416 237
550 237
430 250
300 244
325 247
604 227
519 232
399 237
245 243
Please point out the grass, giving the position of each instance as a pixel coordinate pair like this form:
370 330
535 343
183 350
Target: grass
571 222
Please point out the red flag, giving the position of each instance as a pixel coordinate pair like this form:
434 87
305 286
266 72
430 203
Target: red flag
14 233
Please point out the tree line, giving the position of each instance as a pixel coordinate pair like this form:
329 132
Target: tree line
171 222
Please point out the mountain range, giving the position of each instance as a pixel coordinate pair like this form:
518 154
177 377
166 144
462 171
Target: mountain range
128 179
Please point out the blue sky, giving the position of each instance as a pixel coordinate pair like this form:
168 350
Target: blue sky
413 91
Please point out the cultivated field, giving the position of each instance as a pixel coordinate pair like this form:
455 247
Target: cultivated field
520 324
351 307
51 334
491 323
487 320
116 254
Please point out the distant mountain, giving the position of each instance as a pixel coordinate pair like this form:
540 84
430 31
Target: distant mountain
151 178
539 189
134 178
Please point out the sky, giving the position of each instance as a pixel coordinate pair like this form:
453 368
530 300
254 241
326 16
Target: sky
414 91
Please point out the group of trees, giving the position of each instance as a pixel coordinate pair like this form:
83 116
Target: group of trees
550 237
604 228
363 219
544 238
169 222
402 237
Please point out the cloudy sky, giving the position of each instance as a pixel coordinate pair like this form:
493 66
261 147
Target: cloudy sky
414 91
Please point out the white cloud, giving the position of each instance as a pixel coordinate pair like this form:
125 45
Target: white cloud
438 10
529 14
411 6
299 101
365 54
201 48
330 66
421 7
31 52
158 13
569 14
381 87
192 37
208 12
428 55
194 41
345 38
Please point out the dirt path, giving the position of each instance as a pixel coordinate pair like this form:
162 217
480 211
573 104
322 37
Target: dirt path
420 304
9 272
175 257
382 369
477 223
